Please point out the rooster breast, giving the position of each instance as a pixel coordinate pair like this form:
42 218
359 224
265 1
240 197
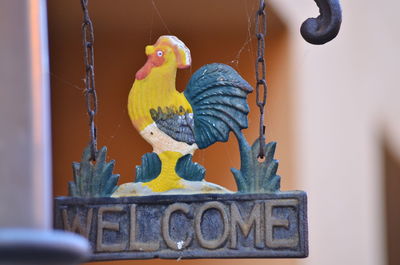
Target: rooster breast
163 117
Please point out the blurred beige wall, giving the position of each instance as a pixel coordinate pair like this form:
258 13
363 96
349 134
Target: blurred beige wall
223 33
346 100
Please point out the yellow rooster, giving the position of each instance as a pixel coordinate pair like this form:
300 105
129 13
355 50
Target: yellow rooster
176 124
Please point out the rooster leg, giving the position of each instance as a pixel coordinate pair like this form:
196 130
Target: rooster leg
168 179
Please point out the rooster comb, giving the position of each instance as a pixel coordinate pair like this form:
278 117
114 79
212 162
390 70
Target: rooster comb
182 52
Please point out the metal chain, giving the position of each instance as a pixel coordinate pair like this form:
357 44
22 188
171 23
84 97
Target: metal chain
261 98
90 90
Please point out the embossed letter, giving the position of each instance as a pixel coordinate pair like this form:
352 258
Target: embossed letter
254 218
183 207
271 222
101 225
135 245
214 243
77 226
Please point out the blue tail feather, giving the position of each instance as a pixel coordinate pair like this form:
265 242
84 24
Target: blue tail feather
218 96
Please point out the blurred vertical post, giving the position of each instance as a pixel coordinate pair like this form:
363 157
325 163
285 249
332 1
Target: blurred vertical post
25 164
25 141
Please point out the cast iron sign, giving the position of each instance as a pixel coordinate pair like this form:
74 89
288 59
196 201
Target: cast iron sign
197 226
169 210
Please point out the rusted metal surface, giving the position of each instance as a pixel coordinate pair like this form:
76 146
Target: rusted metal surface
326 26
261 80
90 88
198 226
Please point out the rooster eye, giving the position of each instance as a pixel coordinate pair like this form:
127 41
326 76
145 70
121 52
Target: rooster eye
159 53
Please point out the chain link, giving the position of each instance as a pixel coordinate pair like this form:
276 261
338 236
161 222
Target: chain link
90 90
261 96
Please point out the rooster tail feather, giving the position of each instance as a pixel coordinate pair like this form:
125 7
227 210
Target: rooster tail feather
218 96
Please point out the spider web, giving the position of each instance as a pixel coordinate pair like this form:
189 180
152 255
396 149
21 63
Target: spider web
234 60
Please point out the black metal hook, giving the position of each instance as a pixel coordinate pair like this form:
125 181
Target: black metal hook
326 26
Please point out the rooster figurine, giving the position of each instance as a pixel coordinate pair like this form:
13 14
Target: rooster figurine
176 124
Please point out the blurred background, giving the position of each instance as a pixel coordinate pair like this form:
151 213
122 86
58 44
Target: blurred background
333 109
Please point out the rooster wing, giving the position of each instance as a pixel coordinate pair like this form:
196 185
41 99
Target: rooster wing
217 94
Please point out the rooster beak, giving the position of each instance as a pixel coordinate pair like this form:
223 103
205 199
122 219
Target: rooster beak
150 50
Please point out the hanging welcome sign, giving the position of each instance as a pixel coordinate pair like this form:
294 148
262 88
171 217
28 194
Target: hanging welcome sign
198 226
171 211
